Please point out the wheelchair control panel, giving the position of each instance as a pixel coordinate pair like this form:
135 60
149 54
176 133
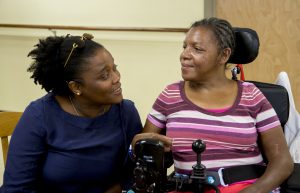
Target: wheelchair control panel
150 172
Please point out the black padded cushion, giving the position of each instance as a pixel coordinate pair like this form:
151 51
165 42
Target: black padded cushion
278 97
247 46
292 185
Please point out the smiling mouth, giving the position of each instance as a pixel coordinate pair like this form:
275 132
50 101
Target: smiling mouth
117 91
186 66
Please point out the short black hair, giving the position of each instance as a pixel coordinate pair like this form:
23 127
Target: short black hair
222 30
50 55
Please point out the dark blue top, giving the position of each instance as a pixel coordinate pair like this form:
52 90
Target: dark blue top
54 151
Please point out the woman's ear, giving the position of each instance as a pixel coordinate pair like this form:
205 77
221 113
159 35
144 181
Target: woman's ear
74 87
225 55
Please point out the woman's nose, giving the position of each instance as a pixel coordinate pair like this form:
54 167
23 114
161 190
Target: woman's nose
185 54
116 77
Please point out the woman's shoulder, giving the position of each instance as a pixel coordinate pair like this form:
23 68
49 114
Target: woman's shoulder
172 89
127 103
249 87
130 114
127 106
174 86
171 93
34 115
39 103
252 94
37 107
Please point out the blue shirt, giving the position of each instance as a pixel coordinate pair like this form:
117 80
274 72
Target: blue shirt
54 151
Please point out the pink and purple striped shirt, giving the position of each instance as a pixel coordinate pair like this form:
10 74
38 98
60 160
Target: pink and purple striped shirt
230 135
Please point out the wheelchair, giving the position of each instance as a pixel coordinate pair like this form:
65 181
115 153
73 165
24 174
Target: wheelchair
150 172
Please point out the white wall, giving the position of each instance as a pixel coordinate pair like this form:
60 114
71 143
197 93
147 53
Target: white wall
147 60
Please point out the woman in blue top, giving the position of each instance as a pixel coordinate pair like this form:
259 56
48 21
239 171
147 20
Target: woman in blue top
74 139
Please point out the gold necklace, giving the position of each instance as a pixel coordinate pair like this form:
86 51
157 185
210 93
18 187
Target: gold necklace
74 108
76 111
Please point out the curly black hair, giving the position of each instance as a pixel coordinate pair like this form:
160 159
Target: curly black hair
56 62
222 30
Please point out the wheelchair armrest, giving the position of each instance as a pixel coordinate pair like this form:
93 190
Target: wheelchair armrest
292 185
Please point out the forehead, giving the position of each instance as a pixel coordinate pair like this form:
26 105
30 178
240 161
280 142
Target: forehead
200 34
102 55
100 59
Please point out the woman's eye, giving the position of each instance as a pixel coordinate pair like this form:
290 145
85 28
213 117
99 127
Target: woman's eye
104 76
108 73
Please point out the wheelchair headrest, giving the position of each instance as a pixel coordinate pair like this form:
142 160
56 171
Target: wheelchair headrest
247 46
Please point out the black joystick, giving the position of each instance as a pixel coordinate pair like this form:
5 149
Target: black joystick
198 147
199 170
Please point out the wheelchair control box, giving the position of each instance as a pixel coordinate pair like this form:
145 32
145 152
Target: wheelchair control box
149 173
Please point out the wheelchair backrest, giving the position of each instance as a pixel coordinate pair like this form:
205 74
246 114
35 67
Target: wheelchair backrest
246 51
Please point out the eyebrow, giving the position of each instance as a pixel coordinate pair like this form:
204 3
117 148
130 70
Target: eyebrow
102 70
105 67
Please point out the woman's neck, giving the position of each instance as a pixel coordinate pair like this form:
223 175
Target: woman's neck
209 84
211 95
87 111
72 106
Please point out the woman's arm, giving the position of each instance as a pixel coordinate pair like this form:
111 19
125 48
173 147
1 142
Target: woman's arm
26 152
280 164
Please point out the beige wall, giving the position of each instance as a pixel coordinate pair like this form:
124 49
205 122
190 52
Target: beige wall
126 13
146 63
147 60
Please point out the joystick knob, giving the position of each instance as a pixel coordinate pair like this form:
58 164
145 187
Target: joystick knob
198 146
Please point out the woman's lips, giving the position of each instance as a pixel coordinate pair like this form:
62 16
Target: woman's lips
186 66
117 91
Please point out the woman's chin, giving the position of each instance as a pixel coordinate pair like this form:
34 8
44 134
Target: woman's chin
118 99
186 77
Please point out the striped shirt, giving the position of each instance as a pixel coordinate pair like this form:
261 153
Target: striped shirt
230 135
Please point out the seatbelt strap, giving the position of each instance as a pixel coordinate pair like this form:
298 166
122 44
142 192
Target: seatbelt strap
242 173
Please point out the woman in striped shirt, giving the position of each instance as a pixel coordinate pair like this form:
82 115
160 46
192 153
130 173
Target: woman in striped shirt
231 117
